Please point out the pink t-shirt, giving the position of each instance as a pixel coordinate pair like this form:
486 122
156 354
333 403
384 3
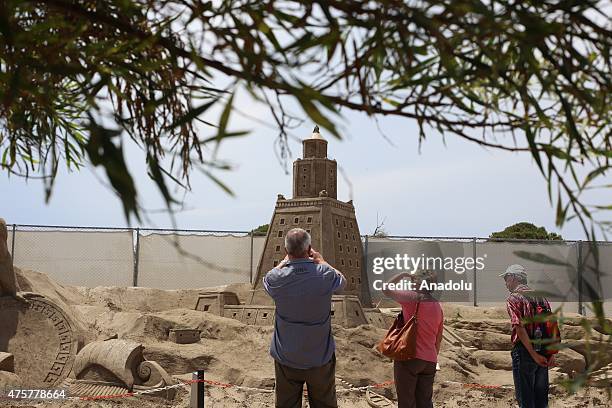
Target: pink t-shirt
430 320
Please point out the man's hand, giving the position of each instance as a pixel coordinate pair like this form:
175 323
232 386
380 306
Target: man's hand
283 262
540 359
551 361
317 258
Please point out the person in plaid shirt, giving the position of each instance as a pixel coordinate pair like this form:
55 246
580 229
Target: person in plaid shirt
529 367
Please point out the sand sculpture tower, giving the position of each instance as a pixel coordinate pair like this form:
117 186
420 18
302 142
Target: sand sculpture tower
315 208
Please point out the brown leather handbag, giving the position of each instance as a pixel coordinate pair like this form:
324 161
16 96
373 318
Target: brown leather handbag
400 341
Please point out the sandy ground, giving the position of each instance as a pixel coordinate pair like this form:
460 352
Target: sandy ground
232 352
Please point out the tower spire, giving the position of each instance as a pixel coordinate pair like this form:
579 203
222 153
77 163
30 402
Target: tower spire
314 173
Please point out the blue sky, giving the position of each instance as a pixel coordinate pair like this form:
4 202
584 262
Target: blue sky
457 189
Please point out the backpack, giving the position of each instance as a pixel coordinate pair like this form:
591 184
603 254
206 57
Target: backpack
543 329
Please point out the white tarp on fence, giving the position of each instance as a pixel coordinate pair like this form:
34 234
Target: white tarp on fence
172 261
80 258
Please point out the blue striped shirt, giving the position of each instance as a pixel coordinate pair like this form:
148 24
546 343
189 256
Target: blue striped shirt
302 292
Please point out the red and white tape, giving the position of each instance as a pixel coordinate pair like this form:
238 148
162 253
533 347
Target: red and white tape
187 383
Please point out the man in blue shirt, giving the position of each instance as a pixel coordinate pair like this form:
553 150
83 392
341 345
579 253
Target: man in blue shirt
303 346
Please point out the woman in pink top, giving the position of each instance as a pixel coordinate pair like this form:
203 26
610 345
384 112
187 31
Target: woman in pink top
414 378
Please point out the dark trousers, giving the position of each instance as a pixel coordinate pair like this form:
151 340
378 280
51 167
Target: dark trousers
414 383
530 379
320 383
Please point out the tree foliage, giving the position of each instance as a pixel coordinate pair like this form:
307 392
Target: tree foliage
261 230
77 77
525 230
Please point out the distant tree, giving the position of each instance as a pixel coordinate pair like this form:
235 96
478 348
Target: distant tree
261 230
525 230
379 231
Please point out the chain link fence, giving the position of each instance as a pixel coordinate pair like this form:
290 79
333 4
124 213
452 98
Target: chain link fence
569 273
157 258
572 272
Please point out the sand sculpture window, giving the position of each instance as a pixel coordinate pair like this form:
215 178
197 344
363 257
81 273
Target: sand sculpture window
280 233
296 220
309 220
282 221
340 248
278 248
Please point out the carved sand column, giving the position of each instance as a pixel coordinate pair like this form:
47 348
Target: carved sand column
8 280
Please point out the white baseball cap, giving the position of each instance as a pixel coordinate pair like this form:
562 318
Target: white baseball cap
515 269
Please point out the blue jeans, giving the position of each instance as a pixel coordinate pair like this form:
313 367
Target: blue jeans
530 379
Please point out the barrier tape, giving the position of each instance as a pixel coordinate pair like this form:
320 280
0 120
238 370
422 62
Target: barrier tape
475 385
480 386
187 383
267 390
129 394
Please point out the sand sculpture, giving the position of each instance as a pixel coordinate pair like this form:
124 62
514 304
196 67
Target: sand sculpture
39 344
475 350
43 359
49 358
8 280
334 231
315 208
8 378
116 366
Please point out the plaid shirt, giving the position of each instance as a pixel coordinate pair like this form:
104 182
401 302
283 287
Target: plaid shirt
520 309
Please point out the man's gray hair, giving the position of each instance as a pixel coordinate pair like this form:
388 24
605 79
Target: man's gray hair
297 242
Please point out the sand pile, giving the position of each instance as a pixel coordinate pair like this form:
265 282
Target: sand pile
235 353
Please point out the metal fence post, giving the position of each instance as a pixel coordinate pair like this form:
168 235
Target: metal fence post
365 279
579 273
197 389
13 242
251 266
365 255
474 270
136 258
364 273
